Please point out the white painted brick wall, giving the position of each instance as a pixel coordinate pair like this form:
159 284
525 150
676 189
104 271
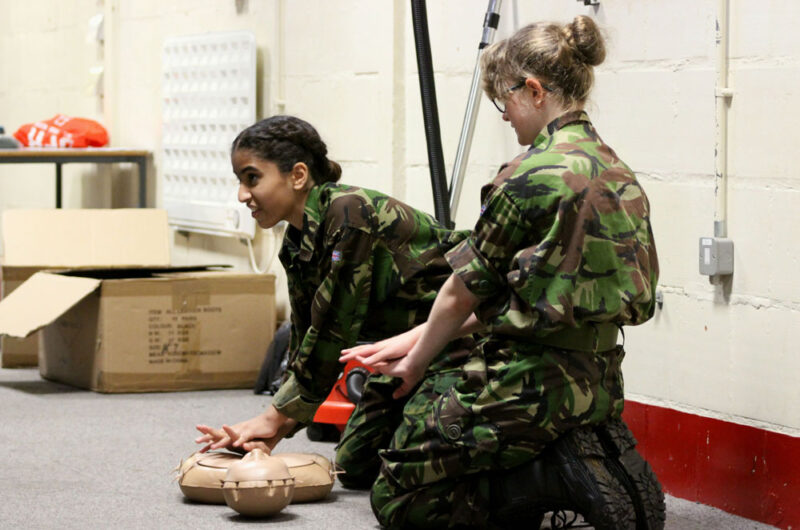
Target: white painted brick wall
727 352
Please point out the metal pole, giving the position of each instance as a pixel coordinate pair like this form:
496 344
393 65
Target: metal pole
490 22
723 93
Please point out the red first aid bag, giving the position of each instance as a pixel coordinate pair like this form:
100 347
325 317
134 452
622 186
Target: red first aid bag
62 131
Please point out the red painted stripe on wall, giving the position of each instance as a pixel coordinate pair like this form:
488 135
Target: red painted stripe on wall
742 470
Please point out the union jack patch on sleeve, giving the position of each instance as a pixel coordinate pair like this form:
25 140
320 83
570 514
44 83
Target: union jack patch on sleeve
336 256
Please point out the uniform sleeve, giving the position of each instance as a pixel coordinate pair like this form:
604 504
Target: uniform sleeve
337 314
482 260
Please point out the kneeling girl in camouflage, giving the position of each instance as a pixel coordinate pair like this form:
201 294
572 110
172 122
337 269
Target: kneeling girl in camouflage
361 266
562 256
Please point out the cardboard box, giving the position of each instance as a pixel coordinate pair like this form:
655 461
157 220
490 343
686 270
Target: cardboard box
144 330
35 240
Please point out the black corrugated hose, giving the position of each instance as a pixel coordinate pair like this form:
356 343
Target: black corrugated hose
430 113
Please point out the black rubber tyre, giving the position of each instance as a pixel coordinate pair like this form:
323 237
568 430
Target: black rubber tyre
354 382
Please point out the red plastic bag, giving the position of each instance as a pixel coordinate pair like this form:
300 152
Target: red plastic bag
63 131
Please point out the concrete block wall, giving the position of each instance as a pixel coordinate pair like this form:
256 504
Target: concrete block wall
718 350
725 351
44 70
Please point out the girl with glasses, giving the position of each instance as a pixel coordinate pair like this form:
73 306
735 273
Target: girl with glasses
562 256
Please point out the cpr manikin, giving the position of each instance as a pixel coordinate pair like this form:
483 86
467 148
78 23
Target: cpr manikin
313 475
257 482
258 485
200 476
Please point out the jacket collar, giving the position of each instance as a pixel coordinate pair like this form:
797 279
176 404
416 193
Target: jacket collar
543 140
303 241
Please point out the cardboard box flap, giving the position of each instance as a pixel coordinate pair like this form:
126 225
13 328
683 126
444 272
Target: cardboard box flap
91 237
136 273
40 300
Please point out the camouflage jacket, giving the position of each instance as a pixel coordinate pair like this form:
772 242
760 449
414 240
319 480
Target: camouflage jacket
563 239
364 267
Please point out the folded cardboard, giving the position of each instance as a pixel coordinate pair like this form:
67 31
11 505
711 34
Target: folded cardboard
145 329
36 240
17 353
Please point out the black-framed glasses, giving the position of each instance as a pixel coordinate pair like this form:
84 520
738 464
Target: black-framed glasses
509 90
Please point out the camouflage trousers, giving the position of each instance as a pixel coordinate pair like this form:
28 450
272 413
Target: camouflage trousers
377 415
511 400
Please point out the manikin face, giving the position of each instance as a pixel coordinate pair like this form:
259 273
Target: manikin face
270 195
525 111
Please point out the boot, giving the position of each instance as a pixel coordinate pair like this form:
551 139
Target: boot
571 474
628 466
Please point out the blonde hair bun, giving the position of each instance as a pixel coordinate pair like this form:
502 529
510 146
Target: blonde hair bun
585 38
562 55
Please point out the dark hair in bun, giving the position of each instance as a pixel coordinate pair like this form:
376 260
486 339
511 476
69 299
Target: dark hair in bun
287 140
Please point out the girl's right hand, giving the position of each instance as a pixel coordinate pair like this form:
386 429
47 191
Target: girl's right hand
263 432
409 371
382 352
222 439
259 431
213 438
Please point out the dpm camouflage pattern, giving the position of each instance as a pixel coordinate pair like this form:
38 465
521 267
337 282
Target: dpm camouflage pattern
364 267
377 416
511 399
564 238
563 242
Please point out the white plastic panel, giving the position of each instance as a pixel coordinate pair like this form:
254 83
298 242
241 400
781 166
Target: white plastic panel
208 97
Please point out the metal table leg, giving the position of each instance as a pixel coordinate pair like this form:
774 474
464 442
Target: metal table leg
58 184
142 163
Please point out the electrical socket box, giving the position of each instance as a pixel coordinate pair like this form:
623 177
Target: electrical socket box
716 256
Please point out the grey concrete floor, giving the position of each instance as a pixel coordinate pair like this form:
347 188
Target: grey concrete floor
78 459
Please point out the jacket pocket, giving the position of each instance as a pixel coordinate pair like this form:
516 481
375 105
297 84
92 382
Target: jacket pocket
457 425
